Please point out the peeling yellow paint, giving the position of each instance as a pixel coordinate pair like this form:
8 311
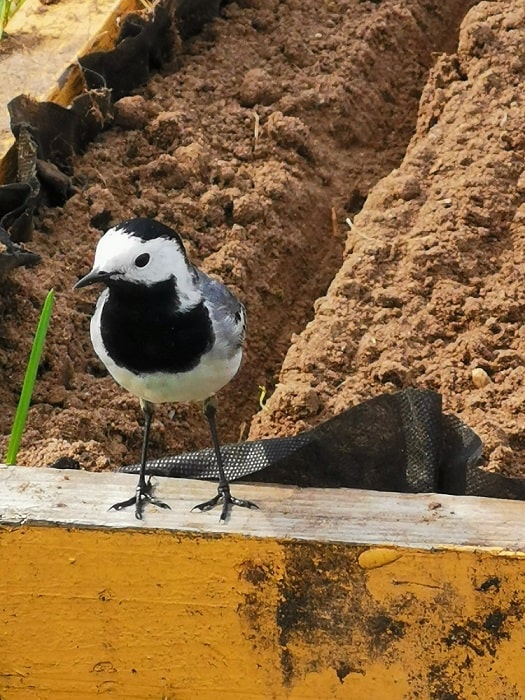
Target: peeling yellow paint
185 616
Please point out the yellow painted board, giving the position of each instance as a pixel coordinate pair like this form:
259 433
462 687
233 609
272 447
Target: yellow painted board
43 40
319 594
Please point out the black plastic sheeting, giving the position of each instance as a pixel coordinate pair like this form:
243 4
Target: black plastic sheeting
399 442
39 166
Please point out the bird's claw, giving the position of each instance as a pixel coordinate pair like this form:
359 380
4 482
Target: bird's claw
224 495
142 494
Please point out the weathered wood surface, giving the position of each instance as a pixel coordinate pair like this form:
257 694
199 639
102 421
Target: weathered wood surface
325 515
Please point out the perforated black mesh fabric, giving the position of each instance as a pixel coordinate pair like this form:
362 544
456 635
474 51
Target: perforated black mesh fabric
395 442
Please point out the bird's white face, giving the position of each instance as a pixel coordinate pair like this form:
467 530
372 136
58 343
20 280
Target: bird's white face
129 258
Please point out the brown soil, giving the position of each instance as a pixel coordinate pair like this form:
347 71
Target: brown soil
281 121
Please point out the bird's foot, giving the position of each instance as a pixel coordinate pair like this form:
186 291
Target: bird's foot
224 496
142 494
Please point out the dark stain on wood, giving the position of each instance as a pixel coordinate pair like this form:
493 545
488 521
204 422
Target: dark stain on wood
319 609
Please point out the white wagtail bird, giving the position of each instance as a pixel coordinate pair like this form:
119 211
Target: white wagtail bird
166 332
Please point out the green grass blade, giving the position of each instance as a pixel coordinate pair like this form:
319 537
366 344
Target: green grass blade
3 16
29 380
7 10
5 13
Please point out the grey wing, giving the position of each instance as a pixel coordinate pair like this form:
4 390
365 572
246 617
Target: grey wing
227 313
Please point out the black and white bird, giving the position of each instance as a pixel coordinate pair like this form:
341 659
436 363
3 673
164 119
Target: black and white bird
166 332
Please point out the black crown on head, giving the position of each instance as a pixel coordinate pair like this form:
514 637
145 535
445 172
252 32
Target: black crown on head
148 229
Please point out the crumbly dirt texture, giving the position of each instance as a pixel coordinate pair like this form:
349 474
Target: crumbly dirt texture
355 172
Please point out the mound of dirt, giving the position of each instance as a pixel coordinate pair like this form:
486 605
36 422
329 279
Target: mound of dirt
431 289
280 122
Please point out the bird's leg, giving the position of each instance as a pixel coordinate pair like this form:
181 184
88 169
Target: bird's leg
144 488
223 490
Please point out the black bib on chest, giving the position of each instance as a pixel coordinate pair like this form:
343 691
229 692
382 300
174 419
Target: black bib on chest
143 330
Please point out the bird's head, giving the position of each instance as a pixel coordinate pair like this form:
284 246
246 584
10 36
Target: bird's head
142 252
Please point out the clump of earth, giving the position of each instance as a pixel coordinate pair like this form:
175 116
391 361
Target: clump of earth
355 172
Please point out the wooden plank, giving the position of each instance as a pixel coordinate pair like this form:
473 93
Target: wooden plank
427 521
325 594
45 40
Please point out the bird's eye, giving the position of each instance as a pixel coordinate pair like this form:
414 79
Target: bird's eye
142 260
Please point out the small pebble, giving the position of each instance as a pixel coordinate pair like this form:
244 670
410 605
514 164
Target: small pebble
480 378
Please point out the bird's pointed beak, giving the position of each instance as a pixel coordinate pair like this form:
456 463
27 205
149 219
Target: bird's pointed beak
93 277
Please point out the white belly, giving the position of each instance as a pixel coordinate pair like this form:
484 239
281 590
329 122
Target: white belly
196 385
